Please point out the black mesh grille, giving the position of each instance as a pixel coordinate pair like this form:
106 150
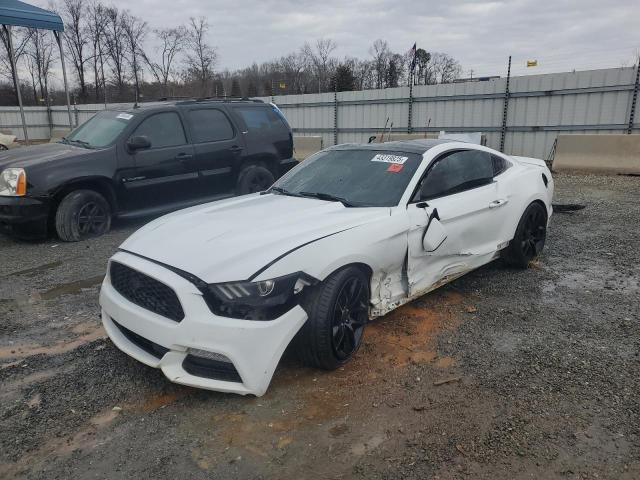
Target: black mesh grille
214 369
146 292
148 346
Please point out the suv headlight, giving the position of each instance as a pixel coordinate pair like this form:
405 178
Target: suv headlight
264 293
13 182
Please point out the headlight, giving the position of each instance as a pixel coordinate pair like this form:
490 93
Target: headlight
13 182
264 293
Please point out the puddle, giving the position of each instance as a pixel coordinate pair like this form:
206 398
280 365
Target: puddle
32 272
23 351
72 287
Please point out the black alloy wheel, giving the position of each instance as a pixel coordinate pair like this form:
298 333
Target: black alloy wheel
350 315
535 232
92 219
529 238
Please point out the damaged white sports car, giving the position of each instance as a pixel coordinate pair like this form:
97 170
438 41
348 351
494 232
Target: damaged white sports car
214 294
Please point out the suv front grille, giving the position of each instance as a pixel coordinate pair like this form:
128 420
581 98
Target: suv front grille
146 292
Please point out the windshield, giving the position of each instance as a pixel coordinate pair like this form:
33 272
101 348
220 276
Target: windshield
359 178
100 130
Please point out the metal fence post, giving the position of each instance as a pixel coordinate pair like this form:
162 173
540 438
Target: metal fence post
75 112
634 98
335 114
505 109
410 118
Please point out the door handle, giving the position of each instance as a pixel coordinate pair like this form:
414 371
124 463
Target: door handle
498 203
235 149
181 157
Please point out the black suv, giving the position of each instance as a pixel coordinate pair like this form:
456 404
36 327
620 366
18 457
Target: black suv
148 160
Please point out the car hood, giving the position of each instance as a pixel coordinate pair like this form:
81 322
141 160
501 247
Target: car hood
233 239
39 154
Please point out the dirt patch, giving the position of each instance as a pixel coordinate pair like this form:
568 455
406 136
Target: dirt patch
87 335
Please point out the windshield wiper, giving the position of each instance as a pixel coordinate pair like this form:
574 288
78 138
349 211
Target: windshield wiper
281 191
82 143
329 197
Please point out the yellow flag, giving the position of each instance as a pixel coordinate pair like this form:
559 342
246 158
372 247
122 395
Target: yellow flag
532 63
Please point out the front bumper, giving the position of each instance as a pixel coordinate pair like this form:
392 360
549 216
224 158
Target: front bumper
23 216
253 348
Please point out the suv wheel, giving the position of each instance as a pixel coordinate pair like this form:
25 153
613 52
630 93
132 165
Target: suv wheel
254 178
82 214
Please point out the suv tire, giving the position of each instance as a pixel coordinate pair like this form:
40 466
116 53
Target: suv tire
254 178
82 214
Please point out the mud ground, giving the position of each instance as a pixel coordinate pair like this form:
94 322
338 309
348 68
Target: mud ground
501 374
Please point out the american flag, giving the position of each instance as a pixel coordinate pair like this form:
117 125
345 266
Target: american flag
412 52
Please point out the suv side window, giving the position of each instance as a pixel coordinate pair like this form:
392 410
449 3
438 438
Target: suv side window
456 172
499 165
163 130
259 119
209 125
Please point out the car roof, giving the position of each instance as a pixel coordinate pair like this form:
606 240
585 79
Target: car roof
419 146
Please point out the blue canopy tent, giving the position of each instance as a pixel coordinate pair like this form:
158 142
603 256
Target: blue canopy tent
20 14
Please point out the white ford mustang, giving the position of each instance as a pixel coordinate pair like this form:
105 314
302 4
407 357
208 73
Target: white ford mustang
214 294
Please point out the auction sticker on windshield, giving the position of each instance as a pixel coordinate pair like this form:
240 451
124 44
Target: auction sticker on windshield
125 116
387 158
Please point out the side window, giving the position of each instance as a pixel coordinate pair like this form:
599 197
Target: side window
499 165
456 172
163 130
209 125
259 119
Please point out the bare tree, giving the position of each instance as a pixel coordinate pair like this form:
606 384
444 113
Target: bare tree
77 38
21 37
96 24
443 68
172 42
320 61
116 46
202 57
135 31
380 53
40 50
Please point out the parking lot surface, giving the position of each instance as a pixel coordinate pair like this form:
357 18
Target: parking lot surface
501 374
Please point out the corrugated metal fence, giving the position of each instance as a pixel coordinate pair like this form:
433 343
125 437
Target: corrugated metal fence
539 107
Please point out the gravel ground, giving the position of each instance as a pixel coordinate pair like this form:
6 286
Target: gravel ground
501 374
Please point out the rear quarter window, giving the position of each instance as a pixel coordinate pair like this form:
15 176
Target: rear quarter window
260 119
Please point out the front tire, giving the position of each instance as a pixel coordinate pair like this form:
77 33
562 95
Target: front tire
530 237
82 214
338 310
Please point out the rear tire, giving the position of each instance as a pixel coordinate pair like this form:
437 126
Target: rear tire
82 214
338 310
3 147
529 239
254 178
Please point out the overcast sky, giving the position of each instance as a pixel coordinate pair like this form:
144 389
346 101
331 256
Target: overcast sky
561 35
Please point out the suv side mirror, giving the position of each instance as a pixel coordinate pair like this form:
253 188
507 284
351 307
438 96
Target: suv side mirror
138 142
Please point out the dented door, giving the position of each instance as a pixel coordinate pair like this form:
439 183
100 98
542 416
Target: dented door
471 226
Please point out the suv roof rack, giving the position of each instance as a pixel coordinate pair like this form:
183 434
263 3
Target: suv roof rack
219 99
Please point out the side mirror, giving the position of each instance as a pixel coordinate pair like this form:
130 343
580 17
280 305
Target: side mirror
138 142
435 234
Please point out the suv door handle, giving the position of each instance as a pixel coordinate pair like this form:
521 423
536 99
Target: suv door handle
181 157
498 203
236 148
